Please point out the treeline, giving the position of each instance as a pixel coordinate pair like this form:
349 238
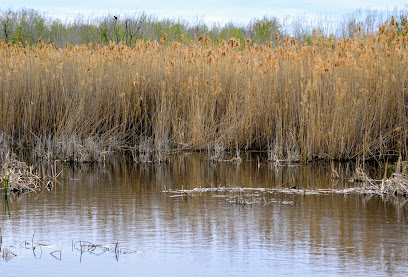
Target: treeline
27 25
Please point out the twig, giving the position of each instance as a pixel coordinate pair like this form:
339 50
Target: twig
54 255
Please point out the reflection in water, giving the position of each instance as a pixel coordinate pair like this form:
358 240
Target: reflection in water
6 205
123 203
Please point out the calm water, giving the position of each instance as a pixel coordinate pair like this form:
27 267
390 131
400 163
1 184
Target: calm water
122 206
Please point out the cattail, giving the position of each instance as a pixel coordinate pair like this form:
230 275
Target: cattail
392 21
231 42
405 29
393 34
164 38
236 45
382 29
201 92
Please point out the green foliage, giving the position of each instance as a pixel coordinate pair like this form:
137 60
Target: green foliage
265 29
103 33
230 30
19 34
27 25
308 40
403 20
5 183
176 30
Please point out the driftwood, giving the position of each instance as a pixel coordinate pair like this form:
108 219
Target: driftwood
394 186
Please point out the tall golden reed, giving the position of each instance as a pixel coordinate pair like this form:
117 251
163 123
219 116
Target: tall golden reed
330 98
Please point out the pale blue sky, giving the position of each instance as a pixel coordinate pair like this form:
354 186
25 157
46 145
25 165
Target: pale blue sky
210 11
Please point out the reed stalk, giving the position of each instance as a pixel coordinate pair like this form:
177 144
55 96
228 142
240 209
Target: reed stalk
5 183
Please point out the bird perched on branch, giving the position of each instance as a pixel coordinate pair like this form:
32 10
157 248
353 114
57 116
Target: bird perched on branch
116 18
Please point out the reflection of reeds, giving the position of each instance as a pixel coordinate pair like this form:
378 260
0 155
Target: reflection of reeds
98 249
147 152
81 246
5 252
325 99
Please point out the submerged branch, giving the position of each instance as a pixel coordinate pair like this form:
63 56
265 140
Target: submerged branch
395 186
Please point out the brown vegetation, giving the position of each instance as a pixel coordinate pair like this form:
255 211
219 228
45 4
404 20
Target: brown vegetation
329 98
17 177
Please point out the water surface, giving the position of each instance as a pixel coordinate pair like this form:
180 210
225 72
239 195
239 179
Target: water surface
148 233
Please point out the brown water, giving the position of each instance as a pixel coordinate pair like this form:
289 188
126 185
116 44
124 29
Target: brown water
149 233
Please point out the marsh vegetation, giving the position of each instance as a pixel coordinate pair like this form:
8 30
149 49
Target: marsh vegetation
262 104
327 98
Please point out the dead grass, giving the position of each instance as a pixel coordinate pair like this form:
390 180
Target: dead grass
21 178
330 99
395 186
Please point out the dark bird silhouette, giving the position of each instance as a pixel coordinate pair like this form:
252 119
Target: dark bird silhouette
116 18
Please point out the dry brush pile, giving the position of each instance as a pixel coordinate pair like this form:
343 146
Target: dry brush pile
17 177
330 98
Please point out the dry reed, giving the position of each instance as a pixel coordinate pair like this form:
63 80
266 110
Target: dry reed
329 99
18 177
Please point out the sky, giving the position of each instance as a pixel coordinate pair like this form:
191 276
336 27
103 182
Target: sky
211 11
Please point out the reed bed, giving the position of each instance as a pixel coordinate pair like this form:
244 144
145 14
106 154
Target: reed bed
327 98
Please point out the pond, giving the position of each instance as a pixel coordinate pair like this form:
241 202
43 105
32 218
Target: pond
117 219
